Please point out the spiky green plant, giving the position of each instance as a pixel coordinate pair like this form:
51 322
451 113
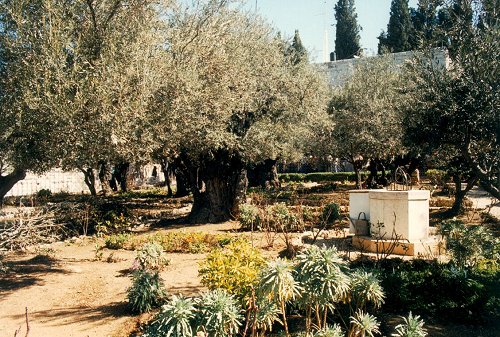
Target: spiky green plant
276 282
151 256
363 324
147 291
413 326
249 216
219 314
320 273
174 320
365 288
266 314
330 331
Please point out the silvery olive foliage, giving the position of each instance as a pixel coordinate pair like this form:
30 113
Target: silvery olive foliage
368 123
229 85
76 80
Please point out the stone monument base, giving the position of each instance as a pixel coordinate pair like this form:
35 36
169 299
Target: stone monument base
431 246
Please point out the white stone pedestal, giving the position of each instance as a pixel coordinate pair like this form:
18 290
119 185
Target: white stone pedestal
399 222
399 214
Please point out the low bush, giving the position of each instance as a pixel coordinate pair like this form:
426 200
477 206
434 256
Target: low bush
330 213
437 177
277 217
320 177
291 177
86 215
249 216
469 244
233 268
183 242
412 326
175 319
147 291
117 241
441 290
219 314
151 257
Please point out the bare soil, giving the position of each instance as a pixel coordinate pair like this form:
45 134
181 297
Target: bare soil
69 293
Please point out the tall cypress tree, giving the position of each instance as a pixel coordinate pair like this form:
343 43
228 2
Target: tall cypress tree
297 52
347 34
424 21
399 28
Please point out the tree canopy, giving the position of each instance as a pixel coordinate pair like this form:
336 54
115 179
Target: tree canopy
231 96
367 123
453 113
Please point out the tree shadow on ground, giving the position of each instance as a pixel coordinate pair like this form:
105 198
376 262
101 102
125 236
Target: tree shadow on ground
63 316
26 273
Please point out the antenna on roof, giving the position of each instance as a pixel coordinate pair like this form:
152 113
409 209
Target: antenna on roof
325 35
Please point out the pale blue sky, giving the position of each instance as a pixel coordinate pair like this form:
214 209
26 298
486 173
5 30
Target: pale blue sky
312 17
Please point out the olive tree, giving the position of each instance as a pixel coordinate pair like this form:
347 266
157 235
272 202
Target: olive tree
32 88
114 70
77 77
230 97
453 113
367 123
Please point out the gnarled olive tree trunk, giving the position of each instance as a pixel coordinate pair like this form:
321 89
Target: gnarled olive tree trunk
89 179
458 204
219 185
8 181
264 174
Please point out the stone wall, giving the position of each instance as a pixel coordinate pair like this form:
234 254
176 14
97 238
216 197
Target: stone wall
55 180
337 72
58 180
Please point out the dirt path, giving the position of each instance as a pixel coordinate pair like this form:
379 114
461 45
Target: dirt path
69 293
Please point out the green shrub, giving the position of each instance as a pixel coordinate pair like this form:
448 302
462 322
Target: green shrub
219 314
113 223
440 290
330 331
44 193
117 241
175 319
152 257
364 324
147 291
331 213
249 216
182 242
320 274
291 177
469 244
437 177
320 177
282 218
233 268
